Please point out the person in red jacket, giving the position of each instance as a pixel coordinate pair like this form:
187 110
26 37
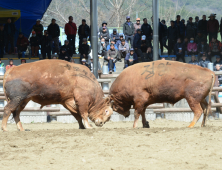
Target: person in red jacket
212 27
70 30
22 43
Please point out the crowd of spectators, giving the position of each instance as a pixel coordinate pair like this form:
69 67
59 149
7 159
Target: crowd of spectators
198 39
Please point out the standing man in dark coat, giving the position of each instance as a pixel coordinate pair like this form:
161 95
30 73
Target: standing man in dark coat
137 45
172 36
38 28
202 26
180 28
10 33
2 40
147 31
128 30
212 27
46 45
190 29
164 39
83 32
70 30
54 32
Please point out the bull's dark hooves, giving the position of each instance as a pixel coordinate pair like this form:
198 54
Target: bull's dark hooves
82 128
27 130
146 125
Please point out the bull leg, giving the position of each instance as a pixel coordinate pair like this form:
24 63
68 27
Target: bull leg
79 119
16 115
85 120
137 116
196 108
9 108
144 121
204 106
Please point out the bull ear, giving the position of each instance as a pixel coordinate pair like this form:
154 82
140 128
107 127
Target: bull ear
107 100
111 97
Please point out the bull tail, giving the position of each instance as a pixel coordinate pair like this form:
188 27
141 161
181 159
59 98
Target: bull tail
209 100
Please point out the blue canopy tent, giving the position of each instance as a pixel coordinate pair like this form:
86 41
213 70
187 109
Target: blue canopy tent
31 10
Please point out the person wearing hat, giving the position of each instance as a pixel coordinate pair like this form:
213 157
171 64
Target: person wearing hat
2 40
123 50
84 50
179 51
46 45
202 26
180 27
105 34
112 41
104 24
128 30
34 42
137 45
212 26
121 37
22 44
70 30
200 37
218 61
54 32
147 31
204 61
131 58
172 35
193 60
137 25
10 35
10 64
190 28
65 51
83 61
112 56
143 44
214 48
38 28
115 35
202 47
83 32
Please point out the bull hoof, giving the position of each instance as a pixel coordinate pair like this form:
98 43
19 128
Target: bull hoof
27 130
146 125
82 127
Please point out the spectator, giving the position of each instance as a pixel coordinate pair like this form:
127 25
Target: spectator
149 55
105 34
221 28
193 60
178 48
196 24
172 36
131 58
137 45
164 39
202 47
190 29
161 31
192 47
123 50
22 44
173 58
183 21
112 41
137 25
218 61
180 28
143 44
70 30
1 64
10 64
204 62
23 61
104 24
10 33
34 41
2 40
91 66
214 48
212 26
147 31
66 51
218 68
46 45
72 61
83 61
111 57
102 49
202 26
84 50
54 33
54 57
128 30
200 37
83 32
115 36
185 43
120 40
38 28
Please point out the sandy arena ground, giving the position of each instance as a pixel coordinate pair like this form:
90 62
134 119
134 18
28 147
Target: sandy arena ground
116 146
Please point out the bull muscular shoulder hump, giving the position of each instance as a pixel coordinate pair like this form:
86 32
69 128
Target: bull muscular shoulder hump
162 81
56 82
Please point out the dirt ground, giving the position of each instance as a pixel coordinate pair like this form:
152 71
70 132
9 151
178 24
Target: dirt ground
116 146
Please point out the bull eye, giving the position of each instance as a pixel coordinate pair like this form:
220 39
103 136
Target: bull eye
106 111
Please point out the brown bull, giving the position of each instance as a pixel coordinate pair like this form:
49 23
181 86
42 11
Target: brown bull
162 81
55 82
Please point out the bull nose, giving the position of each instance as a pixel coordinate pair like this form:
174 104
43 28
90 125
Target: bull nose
99 123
